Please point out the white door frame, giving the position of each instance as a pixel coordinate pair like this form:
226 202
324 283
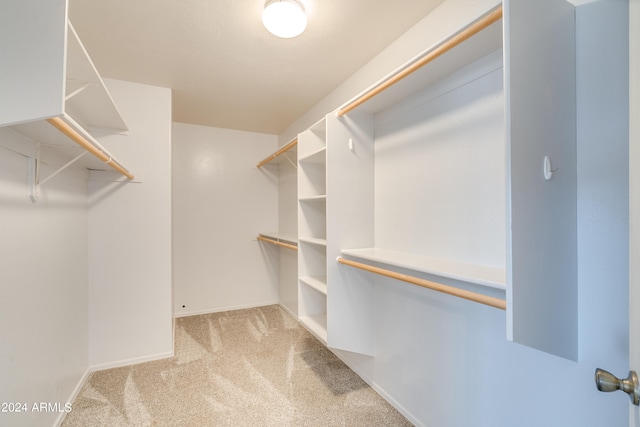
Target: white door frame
634 196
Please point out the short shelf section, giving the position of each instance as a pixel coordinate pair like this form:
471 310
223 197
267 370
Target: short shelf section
471 273
317 283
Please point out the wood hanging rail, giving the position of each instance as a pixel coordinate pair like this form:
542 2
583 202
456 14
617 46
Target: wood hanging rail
63 127
450 290
438 50
281 151
278 243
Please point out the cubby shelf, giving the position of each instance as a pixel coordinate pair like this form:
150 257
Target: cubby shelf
320 198
316 157
317 283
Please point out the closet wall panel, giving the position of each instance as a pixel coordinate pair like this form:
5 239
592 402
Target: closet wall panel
130 235
221 203
43 286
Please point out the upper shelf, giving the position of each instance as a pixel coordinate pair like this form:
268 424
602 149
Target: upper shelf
53 80
473 42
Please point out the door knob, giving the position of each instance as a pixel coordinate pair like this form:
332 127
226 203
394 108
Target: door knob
606 381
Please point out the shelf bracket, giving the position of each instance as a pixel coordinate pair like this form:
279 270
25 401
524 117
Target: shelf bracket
77 91
34 173
290 161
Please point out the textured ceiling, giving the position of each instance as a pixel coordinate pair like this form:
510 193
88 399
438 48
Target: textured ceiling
224 69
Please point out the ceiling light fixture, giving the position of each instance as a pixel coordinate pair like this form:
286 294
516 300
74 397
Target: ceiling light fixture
284 18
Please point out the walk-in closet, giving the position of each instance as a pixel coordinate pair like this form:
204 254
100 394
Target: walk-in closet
423 223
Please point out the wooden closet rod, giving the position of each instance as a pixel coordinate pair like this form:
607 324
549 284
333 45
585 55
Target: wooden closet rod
277 242
438 50
278 153
450 290
63 127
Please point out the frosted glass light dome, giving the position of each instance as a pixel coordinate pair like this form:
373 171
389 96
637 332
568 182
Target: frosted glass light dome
284 18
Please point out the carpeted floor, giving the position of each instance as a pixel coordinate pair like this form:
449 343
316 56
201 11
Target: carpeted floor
253 367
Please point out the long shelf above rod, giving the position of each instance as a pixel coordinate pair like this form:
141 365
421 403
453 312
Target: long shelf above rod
450 290
278 153
92 147
278 243
428 56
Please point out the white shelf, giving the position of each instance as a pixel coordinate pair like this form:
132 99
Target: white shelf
317 283
317 325
320 198
62 82
471 273
313 241
318 157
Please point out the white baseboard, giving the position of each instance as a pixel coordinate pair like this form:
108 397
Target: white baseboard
407 414
73 396
291 313
221 309
133 361
95 368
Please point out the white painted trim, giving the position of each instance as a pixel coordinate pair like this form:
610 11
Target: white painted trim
407 414
73 396
221 309
133 361
291 313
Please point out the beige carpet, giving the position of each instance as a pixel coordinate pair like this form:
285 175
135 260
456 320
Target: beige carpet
253 367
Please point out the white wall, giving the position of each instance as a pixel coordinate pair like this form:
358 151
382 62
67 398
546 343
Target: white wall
446 362
43 286
221 201
130 313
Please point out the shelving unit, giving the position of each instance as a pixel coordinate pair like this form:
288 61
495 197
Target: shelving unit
312 230
421 178
62 97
